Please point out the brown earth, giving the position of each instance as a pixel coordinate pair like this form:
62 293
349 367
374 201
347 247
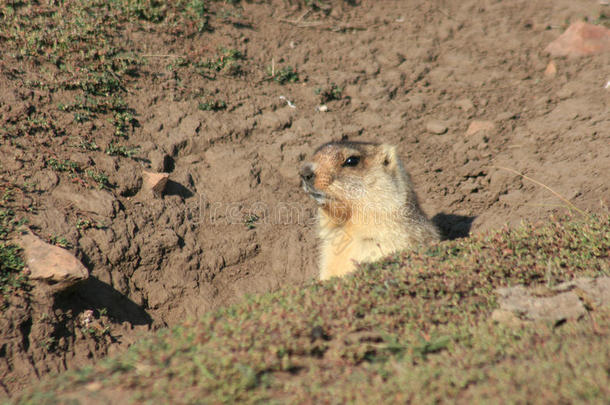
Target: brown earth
415 74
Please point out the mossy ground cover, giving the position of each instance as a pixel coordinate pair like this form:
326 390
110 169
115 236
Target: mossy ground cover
415 327
12 278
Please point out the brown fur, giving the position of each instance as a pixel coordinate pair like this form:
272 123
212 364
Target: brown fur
366 210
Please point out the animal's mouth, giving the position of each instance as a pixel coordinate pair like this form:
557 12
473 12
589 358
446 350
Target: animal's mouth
320 197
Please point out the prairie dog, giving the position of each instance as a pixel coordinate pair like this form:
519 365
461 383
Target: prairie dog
367 207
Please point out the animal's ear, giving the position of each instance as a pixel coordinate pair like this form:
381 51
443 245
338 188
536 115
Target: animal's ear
389 157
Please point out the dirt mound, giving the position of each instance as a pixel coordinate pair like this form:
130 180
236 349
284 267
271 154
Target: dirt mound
231 111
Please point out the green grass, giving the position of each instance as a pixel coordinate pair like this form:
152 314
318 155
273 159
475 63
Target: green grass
90 176
212 105
12 278
114 149
227 61
329 93
286 74
78 50
77 56
414 327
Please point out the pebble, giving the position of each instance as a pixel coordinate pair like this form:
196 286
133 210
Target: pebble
551 69
436 127
476 126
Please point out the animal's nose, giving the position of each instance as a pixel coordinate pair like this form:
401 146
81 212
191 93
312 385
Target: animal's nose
307 173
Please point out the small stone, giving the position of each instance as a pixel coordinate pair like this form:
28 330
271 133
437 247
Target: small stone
581 39
551 70
556 304
436 127
154 182
51 263
476 126
322 108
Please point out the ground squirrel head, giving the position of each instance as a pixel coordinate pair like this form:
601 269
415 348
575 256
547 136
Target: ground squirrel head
346 177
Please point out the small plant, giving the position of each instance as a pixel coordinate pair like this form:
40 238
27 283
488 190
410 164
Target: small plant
7 196
200 14
227 62
10 260
99 177
603 19
60 241
81 116
251 220
86 223
11 266
122 121
114 149
287 74
212 105
199 8
63 166
48 344
88 145
329 93
83 223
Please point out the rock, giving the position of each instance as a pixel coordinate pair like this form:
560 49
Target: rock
436 127
95 201
476 126
555 308
51 263
581 39
551 70
596 291
566 301
154 182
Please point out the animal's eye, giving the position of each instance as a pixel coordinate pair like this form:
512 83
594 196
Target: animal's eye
351 161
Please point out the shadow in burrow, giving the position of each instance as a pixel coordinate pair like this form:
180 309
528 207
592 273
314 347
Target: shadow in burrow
93 294
453 226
